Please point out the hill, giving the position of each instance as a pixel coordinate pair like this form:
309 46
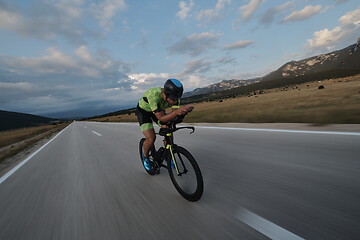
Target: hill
347 59
340 63
13 120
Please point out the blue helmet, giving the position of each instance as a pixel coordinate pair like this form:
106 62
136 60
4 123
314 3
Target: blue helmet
173 87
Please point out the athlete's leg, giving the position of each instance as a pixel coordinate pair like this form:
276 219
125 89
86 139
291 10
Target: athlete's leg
150 140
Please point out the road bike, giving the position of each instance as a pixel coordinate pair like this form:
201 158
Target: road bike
184 172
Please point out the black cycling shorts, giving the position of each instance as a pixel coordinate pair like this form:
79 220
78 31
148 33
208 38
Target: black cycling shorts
145 118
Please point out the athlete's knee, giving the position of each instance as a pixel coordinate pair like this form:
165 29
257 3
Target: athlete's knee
151 139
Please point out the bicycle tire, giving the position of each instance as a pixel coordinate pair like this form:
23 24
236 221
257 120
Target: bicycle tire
152 170
188 191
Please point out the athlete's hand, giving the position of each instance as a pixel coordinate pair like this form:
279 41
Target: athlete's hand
190 108
184 110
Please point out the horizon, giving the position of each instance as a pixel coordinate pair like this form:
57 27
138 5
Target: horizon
77 58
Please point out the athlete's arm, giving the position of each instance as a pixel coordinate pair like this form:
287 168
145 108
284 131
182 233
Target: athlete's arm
161 116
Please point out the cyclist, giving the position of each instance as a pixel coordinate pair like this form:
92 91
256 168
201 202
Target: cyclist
151 107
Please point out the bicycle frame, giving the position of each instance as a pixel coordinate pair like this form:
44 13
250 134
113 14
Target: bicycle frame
169 148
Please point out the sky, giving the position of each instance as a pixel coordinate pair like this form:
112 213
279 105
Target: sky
67 58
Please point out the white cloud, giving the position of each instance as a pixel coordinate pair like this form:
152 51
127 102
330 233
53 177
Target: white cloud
326 39
141 81
83 53
248 10
106 10
211 14
303 14
194 44
351 18
237 45
185 8
193 81
144 81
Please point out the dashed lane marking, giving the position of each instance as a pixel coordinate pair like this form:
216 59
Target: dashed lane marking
97 133
264 226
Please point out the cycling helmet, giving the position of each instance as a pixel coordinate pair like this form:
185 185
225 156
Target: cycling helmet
174 88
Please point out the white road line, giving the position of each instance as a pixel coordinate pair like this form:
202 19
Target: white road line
258 129
282 130
264 226
8 174
97 133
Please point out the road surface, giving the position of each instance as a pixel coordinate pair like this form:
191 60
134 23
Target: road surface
88 183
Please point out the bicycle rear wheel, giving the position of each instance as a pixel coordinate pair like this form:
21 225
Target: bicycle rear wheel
188 181
152 170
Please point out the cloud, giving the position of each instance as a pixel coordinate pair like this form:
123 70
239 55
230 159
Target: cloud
237 45
193 75
326 39
193 70
141 81
195 44
46 21
248 10
227 60
303 14
9 19
66 82
196 66
208 15
107 10
351 18
71 8
185 8
268 17
144 81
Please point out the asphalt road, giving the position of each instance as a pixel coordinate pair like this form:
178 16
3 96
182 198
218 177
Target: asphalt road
88 183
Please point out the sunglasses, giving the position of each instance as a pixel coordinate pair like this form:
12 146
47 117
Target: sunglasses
173 98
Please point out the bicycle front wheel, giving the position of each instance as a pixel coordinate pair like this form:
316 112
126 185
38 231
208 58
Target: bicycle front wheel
187 177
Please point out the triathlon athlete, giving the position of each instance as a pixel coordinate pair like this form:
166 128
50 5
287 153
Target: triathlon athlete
151 107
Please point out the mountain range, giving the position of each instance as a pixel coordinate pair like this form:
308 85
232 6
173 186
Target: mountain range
344 62
221 86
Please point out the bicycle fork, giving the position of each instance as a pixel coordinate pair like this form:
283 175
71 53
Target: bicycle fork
169 147
173 159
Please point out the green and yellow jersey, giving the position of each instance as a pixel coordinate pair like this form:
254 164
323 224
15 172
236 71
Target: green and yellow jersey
152 101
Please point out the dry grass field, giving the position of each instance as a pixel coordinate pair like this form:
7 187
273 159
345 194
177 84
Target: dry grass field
337 102
14 141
